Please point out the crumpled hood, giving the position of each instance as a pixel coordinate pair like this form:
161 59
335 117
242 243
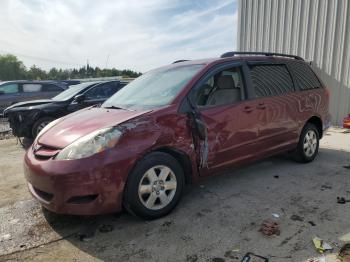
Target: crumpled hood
83 122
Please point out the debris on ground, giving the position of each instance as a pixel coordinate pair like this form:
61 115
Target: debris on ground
347 167
276 176
191 258
85 237
233 253
167 223
247 257
106 228
218 259
320 245
297 218
5 237
325 187
312 223
344 253
89 229
275 215
316 259
269 227
342 200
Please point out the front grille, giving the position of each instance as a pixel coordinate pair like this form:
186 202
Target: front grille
44 195
44 152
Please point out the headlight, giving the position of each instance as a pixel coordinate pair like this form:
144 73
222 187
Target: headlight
47 127
91 144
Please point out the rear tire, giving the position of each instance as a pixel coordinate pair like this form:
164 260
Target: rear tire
308 145
40 124
154 187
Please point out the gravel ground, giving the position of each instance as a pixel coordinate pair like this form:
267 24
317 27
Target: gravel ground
217 220
5 131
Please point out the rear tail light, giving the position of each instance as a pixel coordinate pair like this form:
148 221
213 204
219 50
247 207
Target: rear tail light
346 122
327 92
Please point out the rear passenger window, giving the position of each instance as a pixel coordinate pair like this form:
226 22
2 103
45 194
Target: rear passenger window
271 80
305 78
29 88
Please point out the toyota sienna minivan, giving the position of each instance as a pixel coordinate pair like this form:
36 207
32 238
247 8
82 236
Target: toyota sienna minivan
174 125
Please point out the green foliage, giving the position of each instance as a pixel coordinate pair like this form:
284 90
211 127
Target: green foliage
13 69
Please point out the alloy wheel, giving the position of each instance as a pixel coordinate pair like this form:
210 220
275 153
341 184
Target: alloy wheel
157 187
310 143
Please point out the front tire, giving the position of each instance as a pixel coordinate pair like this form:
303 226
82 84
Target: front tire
308 145
154 187
40 124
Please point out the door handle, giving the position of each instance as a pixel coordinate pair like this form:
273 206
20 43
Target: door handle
261 106
248 109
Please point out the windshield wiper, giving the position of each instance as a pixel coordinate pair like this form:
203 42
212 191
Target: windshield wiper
116 107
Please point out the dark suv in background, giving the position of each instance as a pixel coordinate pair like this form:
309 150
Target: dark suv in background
12 92
27 119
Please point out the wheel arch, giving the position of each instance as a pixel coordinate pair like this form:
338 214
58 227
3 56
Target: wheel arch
183 159
317 121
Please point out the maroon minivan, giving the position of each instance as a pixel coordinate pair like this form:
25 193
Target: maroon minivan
174 125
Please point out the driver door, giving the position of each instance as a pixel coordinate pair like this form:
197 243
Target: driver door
229 119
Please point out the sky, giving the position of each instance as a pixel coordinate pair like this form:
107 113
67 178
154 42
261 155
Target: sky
125 34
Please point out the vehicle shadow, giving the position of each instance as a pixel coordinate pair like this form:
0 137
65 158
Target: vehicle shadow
221 211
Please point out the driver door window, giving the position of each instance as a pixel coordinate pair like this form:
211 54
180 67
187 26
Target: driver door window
102 91
223 88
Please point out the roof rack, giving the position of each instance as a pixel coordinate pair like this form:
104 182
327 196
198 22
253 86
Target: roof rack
179 61
230 54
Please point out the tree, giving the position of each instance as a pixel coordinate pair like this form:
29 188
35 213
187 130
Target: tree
11 68
35 73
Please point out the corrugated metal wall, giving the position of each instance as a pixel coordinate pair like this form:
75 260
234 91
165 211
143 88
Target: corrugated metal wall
317 30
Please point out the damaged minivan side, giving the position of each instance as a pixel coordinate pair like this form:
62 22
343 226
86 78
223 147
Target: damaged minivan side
172 126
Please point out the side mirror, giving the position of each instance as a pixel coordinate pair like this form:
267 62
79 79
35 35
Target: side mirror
79 98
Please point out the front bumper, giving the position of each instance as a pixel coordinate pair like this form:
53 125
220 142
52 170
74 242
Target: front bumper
89 186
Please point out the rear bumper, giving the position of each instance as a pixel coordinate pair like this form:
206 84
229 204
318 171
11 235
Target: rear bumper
327 123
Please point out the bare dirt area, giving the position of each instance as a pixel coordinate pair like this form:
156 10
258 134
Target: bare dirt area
12 184
217 220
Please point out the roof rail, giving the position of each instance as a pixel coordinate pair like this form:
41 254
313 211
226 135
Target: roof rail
232 53
179 61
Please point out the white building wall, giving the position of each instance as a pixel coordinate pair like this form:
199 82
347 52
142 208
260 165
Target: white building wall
317 30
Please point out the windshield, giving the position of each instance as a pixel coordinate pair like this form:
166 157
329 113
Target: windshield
71 92
153 89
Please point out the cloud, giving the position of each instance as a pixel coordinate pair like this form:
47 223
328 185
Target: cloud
134 34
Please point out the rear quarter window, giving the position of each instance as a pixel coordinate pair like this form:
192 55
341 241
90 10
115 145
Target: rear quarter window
271 80
305 78
30 88
9 89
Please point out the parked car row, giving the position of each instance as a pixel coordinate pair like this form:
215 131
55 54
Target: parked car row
172 126
27 119
12 92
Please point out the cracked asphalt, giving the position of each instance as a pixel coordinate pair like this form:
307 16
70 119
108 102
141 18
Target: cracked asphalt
217 220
